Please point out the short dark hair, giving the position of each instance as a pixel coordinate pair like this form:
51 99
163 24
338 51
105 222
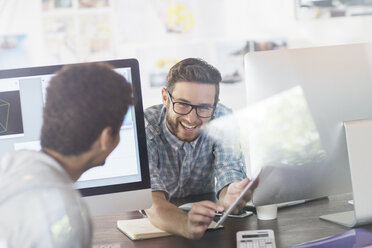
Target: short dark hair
81 101
193 70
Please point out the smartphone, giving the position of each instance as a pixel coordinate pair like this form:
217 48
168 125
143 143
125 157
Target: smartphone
255 238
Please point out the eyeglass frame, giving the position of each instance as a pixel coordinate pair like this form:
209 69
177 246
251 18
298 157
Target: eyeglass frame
192 107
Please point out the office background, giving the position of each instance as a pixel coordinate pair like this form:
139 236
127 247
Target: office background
161 32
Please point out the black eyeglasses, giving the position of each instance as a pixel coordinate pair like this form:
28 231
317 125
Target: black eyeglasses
182 108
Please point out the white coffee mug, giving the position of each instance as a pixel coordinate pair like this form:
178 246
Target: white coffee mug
267 212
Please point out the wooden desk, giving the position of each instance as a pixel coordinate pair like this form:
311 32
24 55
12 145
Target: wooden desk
294 225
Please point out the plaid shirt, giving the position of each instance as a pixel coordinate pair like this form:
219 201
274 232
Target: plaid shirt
182 168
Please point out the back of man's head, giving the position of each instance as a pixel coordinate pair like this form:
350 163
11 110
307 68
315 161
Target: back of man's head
193 70
81 101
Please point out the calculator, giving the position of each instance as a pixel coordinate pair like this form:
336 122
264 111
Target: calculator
255 238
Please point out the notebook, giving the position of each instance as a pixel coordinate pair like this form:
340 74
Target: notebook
138 229
355 238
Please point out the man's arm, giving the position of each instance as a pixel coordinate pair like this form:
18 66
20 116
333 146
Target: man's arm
229 163
170 218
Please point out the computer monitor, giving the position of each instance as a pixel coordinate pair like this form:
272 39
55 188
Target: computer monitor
123 183
298 100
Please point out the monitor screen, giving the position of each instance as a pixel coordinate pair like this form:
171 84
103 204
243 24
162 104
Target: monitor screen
108 188
298 100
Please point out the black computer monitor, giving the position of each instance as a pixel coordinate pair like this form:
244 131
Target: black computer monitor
123 184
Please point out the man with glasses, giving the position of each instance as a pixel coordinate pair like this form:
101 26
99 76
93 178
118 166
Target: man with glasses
183 160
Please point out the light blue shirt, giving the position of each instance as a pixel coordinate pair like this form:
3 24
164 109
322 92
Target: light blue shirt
39 205
182 168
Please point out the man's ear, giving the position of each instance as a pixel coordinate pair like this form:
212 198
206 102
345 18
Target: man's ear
164 96
106 138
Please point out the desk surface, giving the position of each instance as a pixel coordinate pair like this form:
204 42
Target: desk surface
294 225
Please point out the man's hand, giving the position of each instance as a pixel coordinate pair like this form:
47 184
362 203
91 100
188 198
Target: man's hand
229 194
200 216
170 218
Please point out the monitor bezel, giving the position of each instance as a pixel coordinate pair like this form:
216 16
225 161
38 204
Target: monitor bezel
138 108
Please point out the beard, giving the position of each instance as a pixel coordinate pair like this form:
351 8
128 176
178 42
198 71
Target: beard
177 129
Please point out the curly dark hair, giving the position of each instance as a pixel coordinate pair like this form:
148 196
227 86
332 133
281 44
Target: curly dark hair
194 70
81 101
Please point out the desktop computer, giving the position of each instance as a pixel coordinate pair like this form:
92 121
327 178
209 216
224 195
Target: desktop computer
298 102
123 184
359 143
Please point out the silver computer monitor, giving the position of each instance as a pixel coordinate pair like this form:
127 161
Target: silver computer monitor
123 184
298 100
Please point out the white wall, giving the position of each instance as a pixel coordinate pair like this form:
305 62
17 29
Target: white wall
266 19
216 21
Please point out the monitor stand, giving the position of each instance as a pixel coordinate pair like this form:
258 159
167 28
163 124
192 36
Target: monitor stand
343 218
359 143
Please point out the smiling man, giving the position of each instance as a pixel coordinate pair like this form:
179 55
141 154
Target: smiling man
184 160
